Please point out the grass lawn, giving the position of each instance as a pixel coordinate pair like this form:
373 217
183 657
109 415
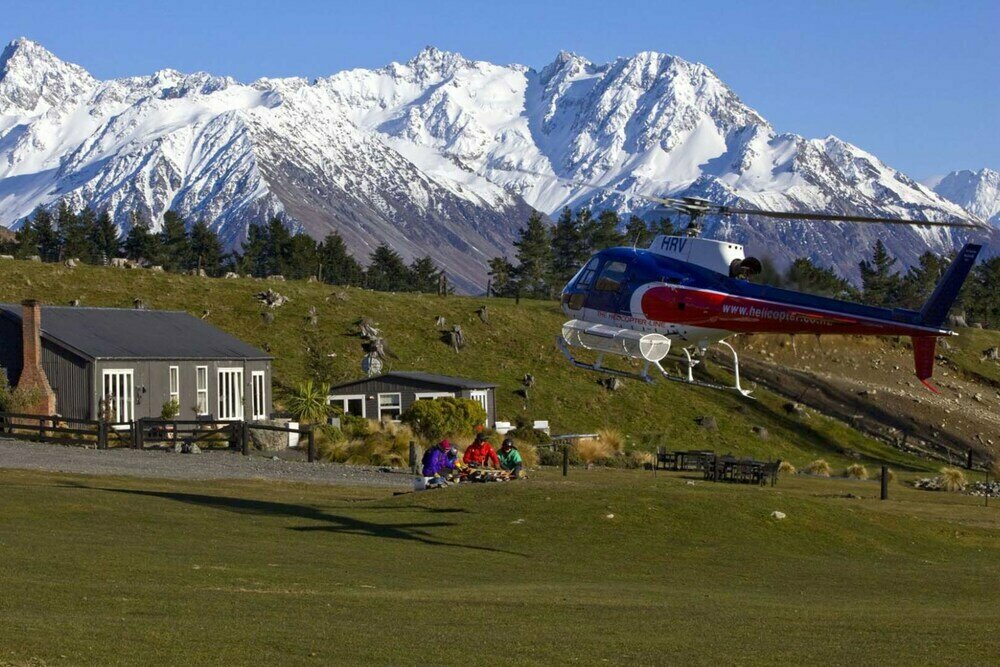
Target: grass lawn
124 571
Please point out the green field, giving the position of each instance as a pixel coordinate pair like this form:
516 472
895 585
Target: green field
106 571
517 340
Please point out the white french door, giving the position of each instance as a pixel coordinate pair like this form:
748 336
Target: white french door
258 397
230 394
119 386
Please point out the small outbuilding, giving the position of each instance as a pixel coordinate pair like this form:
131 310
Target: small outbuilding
386 397
134 361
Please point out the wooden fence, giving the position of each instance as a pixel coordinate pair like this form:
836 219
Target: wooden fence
144 432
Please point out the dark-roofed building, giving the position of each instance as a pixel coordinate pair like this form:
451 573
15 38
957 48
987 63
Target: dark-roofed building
386 397
137 359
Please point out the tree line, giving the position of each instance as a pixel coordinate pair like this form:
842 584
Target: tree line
270 249
547 257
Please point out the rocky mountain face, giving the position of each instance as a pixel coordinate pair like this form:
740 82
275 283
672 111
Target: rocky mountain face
978 192
441 155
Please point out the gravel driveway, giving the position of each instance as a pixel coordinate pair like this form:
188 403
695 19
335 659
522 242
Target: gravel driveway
207 465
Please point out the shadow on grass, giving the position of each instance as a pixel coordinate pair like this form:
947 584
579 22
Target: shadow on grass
334 523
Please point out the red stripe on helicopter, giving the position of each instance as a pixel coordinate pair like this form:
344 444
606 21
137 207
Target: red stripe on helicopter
717 310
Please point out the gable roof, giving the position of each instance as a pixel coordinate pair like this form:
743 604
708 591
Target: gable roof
430 378
123 333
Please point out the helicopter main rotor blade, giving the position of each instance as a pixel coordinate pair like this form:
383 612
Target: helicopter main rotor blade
830 217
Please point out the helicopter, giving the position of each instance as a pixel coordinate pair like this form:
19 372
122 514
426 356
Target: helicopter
688 293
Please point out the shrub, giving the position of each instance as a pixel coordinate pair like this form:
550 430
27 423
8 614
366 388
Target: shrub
786 468
170 409
952 479
16 400
592 450
307 403
613 438
529 435
820 468
856 471
553 456
436 419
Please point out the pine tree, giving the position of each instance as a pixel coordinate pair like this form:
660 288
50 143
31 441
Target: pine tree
47 237
206 249
534 257
637 232
253 260
302 258
805 276
27 236
502 278
603 233
983 300
174 242
278 251
920 280
387 272
103 239
426 275
73 230
569 249
881 284
338 266
666 227
140 244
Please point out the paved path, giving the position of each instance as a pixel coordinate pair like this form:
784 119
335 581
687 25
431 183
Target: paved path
207 465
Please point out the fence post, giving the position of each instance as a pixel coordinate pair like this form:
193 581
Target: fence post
885 484
413 457
565 460
102 434
312 445
968 465
244 438
137 434
41 430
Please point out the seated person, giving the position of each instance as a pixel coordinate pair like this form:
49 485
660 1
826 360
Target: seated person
436 460
481 454
510 458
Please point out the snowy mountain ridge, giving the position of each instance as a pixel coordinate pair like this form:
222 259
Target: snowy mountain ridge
978 192
432 155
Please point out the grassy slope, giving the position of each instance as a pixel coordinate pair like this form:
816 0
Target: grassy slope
518 340
111 571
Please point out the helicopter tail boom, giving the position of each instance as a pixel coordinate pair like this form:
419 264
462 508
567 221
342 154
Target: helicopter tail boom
935 311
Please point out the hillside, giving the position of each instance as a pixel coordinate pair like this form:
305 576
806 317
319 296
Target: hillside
517 340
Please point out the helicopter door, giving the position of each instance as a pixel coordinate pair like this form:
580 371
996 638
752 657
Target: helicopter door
607 291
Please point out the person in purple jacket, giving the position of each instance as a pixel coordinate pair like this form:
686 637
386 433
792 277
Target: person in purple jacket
436 460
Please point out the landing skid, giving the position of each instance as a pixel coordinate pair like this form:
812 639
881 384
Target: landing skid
644 376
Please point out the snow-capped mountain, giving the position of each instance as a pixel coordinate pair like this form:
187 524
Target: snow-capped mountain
978 192
440 155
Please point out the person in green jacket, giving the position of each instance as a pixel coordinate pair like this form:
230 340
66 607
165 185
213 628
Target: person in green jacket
510 458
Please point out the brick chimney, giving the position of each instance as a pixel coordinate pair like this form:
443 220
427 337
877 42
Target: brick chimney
32 374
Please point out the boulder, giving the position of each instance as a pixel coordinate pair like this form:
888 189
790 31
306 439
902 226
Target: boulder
6 256
278 277
708 422
230 275
761 432
157 268
269 441
35 258
71 263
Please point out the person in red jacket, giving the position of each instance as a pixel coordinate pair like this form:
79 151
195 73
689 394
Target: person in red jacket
481 454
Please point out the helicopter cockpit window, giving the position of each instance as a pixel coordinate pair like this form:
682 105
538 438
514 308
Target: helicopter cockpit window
612 277
586 275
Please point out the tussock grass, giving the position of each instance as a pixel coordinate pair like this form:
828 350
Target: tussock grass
593 450
786 468
952 479
613 438
529 454
856 471
820 468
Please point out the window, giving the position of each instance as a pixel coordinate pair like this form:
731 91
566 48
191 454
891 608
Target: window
586 275
230 394
258 400
433 394
353 404
174 374
612 277
201 393
119 390
390 407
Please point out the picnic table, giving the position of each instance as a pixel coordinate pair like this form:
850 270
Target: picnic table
728 468
695 459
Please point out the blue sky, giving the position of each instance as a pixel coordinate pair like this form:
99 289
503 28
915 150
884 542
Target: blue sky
914 82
